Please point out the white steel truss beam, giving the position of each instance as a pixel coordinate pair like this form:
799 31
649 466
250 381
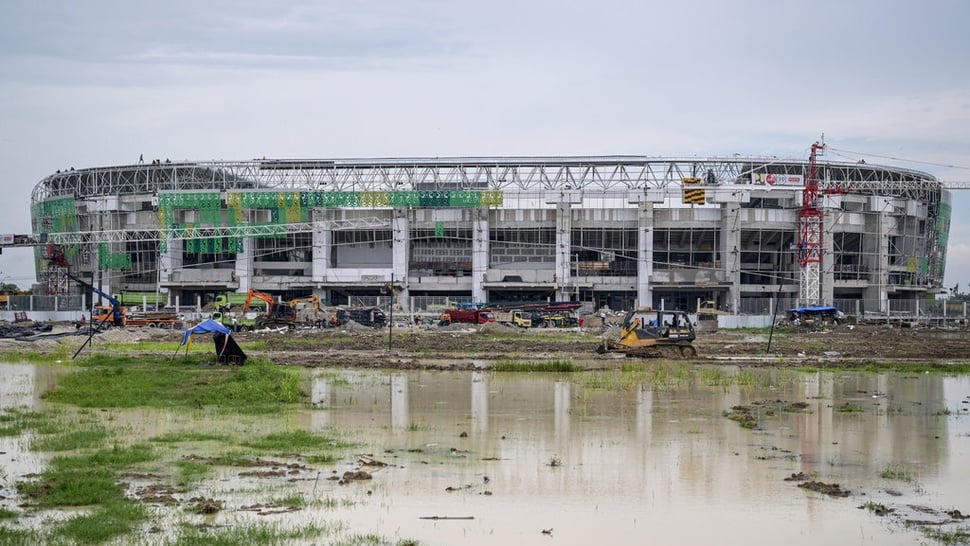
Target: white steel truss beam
159 234
607 173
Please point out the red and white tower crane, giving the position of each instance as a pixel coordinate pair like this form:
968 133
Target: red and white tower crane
810 234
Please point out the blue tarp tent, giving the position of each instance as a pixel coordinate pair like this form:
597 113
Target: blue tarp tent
226 348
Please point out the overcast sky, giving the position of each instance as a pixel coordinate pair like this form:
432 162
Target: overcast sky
98 83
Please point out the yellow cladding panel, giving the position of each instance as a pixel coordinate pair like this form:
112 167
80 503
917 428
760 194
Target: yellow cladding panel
694 197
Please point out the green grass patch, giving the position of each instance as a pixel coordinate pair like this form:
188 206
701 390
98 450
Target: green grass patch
535 366
189 472
81 438
160 382
848 408
323 458
72 487
86 479
59 353
667 375
6 513
19 537
259 534
189 436
896 472
290 501
16 421
108 521
166 347
954 368
294 441
947 537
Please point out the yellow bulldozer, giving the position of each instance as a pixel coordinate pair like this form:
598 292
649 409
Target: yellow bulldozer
652 333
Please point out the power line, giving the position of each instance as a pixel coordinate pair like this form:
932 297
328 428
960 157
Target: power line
892 158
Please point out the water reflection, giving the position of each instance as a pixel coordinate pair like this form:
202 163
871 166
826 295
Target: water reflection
479 402
599 458
610 463
20 388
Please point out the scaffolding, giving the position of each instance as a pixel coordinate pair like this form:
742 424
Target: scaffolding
574 220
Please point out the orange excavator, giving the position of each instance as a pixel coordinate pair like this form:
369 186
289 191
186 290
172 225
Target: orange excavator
277 315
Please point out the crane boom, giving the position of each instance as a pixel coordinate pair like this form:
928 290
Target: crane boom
810 235
117 314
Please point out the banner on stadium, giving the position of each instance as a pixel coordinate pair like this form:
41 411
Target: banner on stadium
777 179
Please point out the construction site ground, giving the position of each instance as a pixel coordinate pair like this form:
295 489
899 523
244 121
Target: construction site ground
476 347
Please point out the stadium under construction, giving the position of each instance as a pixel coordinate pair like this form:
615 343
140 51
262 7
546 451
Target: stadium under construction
616 231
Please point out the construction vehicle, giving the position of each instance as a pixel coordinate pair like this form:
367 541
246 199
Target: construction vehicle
237 322
226 302
371 316
468 316
307 310
113 315
152 319
277 315
649 333
514 318
144 300
148 319
537 314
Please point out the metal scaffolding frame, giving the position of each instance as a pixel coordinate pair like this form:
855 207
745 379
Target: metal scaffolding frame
604 173
603 182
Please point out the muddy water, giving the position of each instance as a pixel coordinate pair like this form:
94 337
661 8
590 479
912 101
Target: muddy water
658 465
607 458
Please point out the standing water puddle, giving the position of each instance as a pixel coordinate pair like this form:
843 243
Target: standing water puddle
609 457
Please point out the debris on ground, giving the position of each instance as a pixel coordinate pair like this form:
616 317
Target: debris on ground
830 489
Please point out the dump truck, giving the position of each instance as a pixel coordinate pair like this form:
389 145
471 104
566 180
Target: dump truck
235 300
467 316
242 323
371 316
514 318
650 333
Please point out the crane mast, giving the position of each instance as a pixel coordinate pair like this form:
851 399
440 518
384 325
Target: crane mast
810 233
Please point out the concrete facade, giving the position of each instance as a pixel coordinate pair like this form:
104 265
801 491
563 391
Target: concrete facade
612 232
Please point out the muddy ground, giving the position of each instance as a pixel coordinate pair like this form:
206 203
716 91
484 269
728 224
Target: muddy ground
458 347
468 348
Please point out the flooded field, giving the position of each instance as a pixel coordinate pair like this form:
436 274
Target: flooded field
612 457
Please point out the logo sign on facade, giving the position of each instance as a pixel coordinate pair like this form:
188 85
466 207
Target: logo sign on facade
777 179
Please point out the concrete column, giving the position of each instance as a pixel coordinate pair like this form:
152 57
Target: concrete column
876 248
563 200
644 254
244 265
480 254
322 242
884 229
563 271
400 252
170 260
730 252
827 292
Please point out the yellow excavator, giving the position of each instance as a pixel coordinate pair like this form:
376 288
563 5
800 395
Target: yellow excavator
651 333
